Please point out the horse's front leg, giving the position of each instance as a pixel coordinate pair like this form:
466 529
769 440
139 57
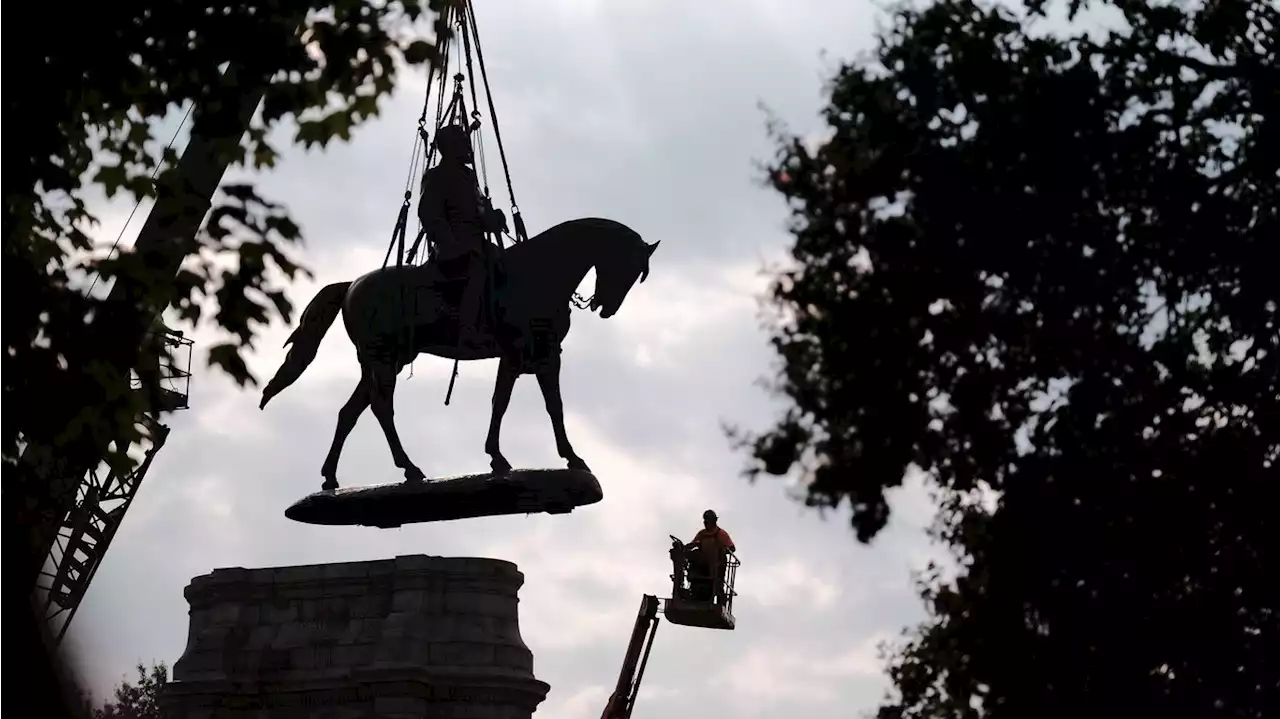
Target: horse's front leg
508 371
549 381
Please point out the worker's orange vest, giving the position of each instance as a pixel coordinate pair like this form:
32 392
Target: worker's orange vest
722 541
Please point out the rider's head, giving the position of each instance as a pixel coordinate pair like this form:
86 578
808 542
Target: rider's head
453 143
709 519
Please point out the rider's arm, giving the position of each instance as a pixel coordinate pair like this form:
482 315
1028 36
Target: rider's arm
728 543
431 209
491 218
494 220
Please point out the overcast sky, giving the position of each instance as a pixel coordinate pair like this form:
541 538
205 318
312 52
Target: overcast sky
646 112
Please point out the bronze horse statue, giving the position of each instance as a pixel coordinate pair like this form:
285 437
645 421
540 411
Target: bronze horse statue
398 312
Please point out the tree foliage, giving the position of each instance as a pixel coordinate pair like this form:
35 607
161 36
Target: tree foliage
79 122
137 701
1040 267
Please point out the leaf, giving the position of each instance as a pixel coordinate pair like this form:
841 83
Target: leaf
264 156
112 178
418 52
226 356
311 133
284 227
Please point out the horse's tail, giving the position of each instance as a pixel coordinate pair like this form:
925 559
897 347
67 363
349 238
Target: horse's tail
315 322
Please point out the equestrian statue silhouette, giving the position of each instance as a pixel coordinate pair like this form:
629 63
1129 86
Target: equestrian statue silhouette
398 312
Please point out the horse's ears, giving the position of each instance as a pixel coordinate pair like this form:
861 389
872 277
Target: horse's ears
653 247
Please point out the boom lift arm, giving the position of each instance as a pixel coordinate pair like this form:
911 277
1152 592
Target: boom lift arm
623 699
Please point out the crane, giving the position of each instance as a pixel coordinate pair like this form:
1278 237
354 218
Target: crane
68 502
691 604
103 496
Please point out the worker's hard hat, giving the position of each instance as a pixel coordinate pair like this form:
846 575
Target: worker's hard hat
709 514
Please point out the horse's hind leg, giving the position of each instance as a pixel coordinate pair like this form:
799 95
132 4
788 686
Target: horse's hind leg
381 379
549 382
347 418
508 372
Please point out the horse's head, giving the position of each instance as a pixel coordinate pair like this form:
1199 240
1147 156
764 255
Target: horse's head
618 271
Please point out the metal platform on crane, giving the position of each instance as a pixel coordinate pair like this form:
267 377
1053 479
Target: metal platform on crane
692 613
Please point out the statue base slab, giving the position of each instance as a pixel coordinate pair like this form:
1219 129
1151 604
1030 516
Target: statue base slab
518 491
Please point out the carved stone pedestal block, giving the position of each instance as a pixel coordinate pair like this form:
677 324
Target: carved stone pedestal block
414 636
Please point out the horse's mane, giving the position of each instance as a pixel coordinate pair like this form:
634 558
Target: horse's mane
557 232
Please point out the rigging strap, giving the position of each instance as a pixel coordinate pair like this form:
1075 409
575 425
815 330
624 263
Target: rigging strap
397 234
516 219
462 15
397 245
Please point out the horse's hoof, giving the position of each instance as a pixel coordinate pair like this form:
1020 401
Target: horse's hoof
330 484
578 464
413 475
500 465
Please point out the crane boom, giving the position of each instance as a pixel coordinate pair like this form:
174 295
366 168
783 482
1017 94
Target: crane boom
52 482
53 479
623 699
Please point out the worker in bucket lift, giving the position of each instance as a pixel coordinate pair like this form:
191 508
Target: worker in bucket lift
707 554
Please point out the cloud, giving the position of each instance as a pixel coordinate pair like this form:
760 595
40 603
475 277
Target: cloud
792 583
767 676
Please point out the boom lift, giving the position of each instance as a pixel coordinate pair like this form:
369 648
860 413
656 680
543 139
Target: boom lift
693 604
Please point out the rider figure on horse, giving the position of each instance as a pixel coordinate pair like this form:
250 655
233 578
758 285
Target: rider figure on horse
456 217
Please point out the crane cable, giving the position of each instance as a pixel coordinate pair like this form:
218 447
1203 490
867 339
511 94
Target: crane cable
517 220
423 147
421 144
464 16
155 172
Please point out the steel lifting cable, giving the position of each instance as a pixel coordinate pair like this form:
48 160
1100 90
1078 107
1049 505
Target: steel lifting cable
429 154
466 23
465 17
420 145
424 144
517 220
481 163
475 101
397 244
155 172
421 141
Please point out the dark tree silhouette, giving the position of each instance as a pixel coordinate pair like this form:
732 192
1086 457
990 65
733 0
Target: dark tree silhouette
79 120
137 701
1042 269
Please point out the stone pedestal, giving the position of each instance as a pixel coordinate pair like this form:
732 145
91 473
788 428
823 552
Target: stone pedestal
414 636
